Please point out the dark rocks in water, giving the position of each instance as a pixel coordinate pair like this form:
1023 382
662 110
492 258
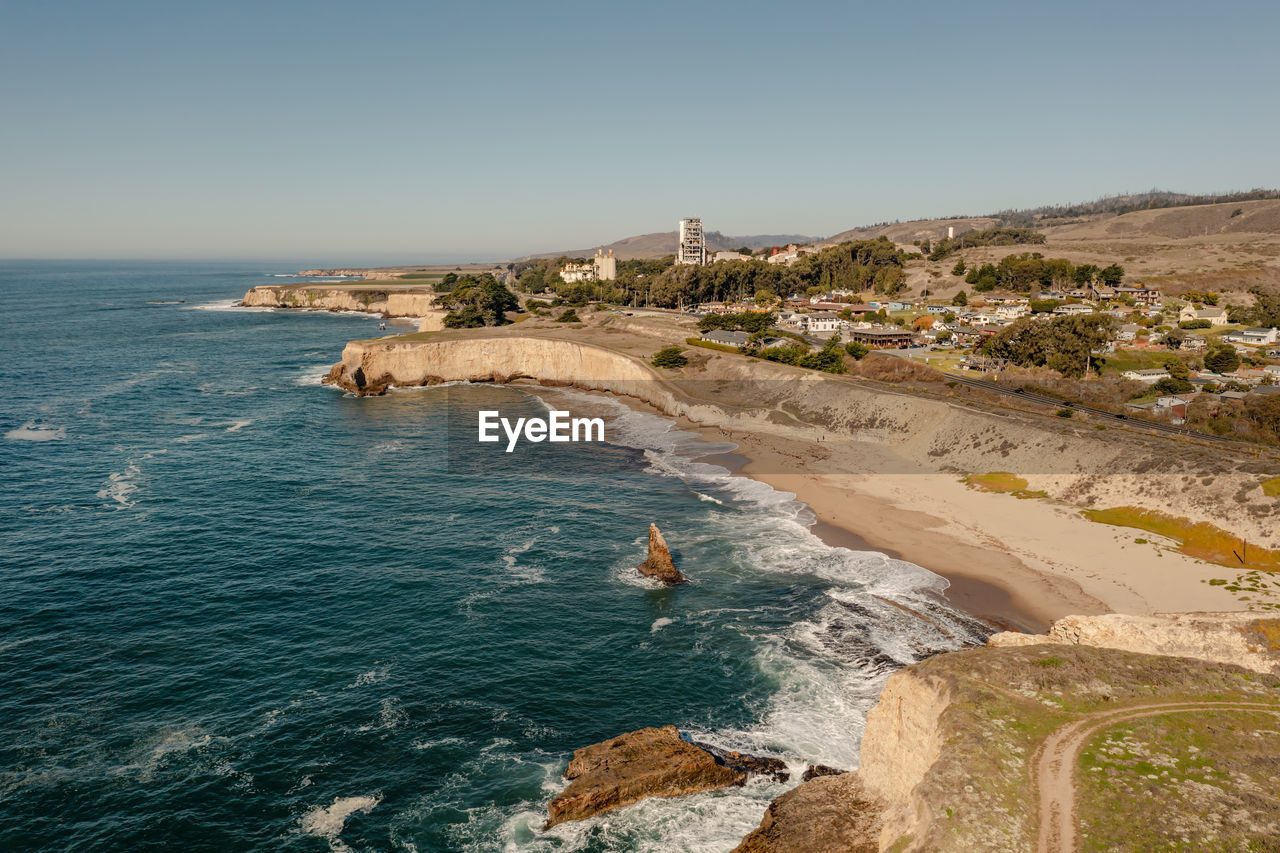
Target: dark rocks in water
658 564
653 762
753 765
813 771
825 815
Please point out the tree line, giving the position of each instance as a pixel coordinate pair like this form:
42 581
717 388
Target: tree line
876 265
1028 271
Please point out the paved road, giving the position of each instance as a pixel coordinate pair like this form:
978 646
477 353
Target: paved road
1054 765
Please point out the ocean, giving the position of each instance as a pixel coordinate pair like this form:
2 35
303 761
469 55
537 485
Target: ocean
244 611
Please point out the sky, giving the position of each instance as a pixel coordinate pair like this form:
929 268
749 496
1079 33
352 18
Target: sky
399 132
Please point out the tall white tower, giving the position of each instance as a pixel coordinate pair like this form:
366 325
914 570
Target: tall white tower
693 246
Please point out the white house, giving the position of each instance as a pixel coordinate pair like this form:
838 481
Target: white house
821 322
1150 376
1258 336
1012 312
1076 308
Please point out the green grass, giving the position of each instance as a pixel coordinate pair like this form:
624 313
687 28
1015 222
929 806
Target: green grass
1199 539
1271 488
1002 482
1131 359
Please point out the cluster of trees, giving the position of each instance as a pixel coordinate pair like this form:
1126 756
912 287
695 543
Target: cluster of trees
748 321
988 237
829 359
478 301
670 357
1264 312
1029 271
1064 344
1255 418
858 265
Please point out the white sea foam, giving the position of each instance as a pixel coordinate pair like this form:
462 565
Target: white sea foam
660 623
373 676
187 439
312 375
121 486
229 305
327 822
32 431
236 425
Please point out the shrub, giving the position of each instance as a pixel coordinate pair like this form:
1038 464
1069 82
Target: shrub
670 357
857 350
1195 324
569 316
1065 413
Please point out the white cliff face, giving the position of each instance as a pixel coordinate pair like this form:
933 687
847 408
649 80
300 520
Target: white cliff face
1244 639
901 741
371 366
373 300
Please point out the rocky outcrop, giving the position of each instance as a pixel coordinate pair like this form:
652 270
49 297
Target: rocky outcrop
752 765
371 367
387 301
653 762
658 565
831 814
1242 639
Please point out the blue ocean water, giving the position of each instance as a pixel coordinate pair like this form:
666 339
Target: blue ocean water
242 611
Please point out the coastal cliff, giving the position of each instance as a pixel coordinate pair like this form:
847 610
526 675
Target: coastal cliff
388 301
980 749
893 432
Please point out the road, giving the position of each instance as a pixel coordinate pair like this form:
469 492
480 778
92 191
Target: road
1054 765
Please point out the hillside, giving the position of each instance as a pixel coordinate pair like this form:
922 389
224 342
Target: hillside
664 243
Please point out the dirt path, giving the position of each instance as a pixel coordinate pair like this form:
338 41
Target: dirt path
1054 764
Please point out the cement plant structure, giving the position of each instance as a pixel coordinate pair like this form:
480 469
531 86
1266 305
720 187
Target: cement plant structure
693 245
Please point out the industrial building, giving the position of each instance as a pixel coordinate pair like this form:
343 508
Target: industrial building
693 245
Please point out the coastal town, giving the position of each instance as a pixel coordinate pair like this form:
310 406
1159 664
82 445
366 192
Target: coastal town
1174 349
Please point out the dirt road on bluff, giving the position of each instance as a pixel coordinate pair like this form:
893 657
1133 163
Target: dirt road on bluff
1054 765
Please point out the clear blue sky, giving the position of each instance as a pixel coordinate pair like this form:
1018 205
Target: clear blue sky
400 131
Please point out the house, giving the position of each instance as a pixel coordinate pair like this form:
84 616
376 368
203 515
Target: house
1257 336
1250 375
1140 295
822 322
882 337
727 339
1215 316
939 309
1129 332
1011 312
1193 343
1069 310
1272 370
730 256
1150 375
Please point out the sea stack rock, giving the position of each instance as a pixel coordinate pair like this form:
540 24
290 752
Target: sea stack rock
654 762
658 564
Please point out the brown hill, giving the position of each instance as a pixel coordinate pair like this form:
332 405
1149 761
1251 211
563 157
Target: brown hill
663 243
918 229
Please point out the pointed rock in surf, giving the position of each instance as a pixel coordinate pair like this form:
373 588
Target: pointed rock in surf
658 564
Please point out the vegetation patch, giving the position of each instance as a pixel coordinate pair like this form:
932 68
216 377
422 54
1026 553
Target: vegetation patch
1002 482
1266 631
1271 488
1198 539
1209 776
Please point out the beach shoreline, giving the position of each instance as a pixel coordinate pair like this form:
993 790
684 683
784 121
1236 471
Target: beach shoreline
1017 564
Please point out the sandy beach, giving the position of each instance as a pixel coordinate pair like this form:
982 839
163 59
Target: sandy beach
1018 563
1024 562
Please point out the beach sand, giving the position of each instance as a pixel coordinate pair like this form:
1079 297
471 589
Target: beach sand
1016 563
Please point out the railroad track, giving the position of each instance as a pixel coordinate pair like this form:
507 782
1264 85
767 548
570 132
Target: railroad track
1066 404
